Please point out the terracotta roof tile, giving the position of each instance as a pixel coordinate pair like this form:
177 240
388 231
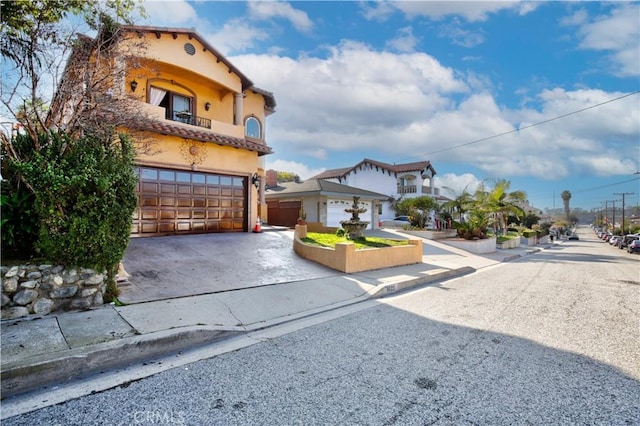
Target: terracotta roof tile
395 168
203 135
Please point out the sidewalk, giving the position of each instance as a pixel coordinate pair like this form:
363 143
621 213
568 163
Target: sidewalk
42 351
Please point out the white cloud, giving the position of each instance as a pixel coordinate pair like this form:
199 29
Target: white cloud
461 36
266 10
236 35
170 13
452 185
617 32
405 41
469 10
408 107
302 170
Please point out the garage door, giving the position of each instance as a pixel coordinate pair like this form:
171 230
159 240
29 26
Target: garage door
336 213
180 202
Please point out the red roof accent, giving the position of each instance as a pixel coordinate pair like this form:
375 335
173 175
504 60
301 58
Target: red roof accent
204 136
395 168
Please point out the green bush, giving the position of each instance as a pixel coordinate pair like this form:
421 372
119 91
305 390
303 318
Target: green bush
19 221
84 198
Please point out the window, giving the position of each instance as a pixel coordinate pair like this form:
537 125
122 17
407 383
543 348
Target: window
252 128
177 107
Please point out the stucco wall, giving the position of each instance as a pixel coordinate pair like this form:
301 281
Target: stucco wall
488 245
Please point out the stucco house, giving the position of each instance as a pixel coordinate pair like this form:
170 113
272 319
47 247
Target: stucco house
324 202
396 181
203 123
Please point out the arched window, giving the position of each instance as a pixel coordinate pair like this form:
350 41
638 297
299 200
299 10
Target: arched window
252 128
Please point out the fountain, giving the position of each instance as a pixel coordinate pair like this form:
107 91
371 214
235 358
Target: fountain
354 226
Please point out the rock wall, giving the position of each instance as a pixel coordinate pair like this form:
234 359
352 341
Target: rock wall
42 289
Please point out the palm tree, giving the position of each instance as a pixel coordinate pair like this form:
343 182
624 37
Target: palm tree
499 203
566 196
460 205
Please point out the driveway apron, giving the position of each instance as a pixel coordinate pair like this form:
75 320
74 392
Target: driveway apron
187 265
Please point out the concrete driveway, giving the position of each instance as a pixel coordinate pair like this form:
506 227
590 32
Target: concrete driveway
187 265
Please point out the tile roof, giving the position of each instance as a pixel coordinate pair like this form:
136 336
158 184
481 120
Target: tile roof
168 128
395 168
321 186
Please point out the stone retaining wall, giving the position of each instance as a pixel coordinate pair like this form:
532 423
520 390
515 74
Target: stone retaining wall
42 289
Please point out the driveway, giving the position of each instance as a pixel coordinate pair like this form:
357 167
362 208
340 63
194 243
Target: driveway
187 265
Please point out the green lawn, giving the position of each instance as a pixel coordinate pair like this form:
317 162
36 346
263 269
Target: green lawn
330 240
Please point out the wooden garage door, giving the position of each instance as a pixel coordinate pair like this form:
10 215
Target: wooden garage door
283 213
181 202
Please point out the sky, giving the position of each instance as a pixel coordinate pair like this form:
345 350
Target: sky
542 94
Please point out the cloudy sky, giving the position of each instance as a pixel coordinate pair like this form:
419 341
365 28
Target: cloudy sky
543 94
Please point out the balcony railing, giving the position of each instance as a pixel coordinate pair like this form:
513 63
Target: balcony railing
407 189
187 118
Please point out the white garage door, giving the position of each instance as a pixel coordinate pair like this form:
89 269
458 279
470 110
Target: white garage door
336 213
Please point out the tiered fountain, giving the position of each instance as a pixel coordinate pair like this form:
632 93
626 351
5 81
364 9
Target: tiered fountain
354 226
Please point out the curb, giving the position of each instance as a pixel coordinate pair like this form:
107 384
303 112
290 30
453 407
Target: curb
388 289
50 369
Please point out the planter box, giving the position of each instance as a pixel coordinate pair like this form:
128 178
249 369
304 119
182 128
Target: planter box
509 244
432 234
488 245
534 241
346 258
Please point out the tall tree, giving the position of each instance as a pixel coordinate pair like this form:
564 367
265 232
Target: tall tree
566 196
39 47
497 203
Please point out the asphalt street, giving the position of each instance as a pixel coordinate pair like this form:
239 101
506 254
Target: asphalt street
549 339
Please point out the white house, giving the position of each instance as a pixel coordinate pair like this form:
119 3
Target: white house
397 181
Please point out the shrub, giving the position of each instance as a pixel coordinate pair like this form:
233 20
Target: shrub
19 221
84 197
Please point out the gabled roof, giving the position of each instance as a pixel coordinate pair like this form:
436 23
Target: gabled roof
270 101
393 168
320 187
167 128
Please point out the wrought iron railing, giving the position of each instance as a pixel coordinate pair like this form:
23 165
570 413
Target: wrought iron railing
187 118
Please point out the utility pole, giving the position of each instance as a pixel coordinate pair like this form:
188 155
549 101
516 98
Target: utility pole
606 214
623 195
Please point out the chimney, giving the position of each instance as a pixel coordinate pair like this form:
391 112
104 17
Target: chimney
272 178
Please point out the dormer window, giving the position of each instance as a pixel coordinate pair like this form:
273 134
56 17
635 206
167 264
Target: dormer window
252 128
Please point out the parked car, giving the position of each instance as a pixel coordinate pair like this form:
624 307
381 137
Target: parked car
634 246
624 241
573 237
396 222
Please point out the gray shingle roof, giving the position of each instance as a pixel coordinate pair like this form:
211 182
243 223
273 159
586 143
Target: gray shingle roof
321 187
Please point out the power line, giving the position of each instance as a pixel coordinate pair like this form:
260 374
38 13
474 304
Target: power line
530 125
580 191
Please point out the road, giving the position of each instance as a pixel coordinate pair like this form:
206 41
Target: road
553 338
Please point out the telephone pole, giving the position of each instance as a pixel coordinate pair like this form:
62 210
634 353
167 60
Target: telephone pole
623 195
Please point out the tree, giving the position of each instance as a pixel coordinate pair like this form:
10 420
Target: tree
530 219
78 169
460 204
489 205
566 196
49 63
287 177
500 203
418 209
